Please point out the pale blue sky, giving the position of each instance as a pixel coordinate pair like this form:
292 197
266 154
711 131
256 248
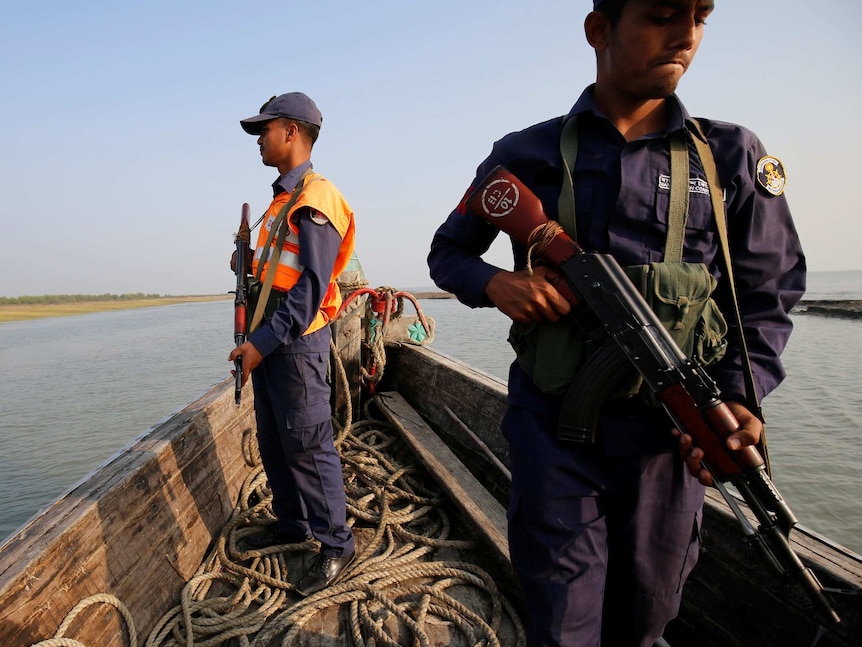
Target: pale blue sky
124 168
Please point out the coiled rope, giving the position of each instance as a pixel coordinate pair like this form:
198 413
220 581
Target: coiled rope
385 305
60 639
391 594
406 585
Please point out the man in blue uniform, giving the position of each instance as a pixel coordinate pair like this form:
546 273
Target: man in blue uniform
305 241
603 534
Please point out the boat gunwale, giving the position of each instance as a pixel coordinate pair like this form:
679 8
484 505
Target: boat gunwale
58 529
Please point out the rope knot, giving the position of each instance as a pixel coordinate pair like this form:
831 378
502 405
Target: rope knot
539 239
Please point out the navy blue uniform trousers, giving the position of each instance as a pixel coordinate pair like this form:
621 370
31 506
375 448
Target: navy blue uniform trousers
601 538
295 436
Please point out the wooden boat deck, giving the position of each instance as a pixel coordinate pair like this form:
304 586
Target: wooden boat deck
183 495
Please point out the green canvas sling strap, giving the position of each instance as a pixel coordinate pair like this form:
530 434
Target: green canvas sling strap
709 168
277 232
678 207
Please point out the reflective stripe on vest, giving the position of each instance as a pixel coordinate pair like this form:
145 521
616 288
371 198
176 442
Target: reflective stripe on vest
320 195
288 258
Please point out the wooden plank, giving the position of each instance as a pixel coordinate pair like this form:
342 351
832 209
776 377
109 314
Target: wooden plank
426 378
429 380
731 580
463 488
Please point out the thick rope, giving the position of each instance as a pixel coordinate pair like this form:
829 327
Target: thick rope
398 586
539 239
376 337
60 639
394 581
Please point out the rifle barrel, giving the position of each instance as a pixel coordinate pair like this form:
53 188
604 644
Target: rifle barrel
240 328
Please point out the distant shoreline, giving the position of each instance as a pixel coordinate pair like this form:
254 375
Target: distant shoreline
26 312
839 308
433 295
843 309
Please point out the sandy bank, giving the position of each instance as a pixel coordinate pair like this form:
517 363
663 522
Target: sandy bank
37 311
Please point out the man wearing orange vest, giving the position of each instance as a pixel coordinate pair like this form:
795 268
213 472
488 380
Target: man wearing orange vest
305 241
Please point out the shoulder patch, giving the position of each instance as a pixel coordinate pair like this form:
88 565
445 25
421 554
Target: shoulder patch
770 175
318 218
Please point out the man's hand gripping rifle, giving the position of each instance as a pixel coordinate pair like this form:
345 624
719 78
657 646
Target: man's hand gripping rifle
240 302
636 337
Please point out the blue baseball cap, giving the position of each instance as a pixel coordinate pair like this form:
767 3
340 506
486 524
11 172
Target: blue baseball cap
293 105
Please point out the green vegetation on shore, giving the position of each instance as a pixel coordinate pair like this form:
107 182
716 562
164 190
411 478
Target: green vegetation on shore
64 305
53 299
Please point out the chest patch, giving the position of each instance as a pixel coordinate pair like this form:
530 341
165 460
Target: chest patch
695 185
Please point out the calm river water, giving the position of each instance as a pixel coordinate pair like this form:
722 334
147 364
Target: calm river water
75 390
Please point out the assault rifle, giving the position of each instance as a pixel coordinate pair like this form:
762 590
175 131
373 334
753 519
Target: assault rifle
636 337
240 302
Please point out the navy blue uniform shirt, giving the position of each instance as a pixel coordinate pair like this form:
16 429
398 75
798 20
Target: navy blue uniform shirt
621 200
318 249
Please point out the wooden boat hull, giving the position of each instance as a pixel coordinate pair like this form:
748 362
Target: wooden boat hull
138 527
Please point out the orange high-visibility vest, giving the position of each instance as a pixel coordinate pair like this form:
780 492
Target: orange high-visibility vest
322 196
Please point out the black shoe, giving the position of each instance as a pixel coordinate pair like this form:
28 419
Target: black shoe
324 570
272 537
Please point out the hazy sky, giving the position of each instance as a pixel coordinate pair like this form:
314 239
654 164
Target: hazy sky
123 166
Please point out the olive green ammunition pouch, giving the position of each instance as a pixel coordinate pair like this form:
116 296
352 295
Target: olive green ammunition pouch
550 352
679 293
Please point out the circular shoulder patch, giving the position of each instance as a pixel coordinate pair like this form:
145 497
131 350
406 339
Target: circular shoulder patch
770 175
318 218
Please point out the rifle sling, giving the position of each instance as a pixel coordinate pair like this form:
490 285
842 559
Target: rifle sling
708 161
677 208
278 231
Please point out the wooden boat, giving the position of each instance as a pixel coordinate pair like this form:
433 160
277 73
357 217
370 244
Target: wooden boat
151 542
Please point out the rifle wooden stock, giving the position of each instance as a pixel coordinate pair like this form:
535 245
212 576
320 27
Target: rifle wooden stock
634 332
240 303
710 427
506 203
